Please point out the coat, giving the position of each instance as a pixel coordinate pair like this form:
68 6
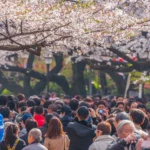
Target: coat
121 144
101 143
65 121
60 143
35 146
21 144
81 135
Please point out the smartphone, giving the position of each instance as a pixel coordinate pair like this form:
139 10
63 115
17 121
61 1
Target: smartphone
101 111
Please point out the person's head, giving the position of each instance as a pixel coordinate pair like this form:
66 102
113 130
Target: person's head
3 100
35 136
52 108
142 107
11 105
46 104
138 100
137 116
30 124
145 123
25 117
30 103
21 97
65 111
59 102
20 105
125 128
11 133
131 104
42 101
74 104
37 100
119 117
119 99
89 101
5 112
55 128
83 113
66 99
82 103
38 110
111 122
120 106
103 128
101 105
48 118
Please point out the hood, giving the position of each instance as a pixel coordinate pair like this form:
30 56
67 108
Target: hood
81 130
40 120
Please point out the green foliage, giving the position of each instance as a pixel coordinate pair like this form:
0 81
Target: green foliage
55 88
6 92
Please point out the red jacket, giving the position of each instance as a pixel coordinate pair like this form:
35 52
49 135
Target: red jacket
40 120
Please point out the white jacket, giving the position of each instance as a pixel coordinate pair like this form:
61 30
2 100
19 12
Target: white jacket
101 143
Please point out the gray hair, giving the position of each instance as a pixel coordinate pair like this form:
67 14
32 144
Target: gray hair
122 116
36 134
125 122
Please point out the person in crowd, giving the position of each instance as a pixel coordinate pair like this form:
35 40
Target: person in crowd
11 140
120 106
66 99
52 108
89 101
138 117
38 116
74 104
34 138
3 100
55 138
53 97
131 105
103 138
5 112
111 122
66 116
142 107
30 124
80 132
127 138
119 117
119 99
43 129
21 97
102 112
20 106
23 131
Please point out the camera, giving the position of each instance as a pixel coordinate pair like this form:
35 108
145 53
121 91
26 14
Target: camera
101 111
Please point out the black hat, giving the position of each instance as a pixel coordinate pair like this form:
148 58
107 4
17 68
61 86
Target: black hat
66 109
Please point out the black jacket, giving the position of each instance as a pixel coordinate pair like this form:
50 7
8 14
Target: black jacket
120 144
44 130
21 144
81 135
25 138
65 121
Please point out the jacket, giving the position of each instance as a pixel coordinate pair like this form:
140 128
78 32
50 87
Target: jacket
40 120
80 134
101 143
60 143
21 144
65 121
35 146
43 130
25 138
121 144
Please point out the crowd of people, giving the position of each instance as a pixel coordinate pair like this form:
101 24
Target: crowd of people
78 123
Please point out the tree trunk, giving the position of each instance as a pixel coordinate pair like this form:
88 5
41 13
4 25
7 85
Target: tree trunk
119 81
103 82
78 84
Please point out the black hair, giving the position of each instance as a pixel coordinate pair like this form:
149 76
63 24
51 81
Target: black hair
22 104
48 118
5 112
84 104
39 110
67 110
83 112
30 103
10 97
21 96
74 104
145 123
101 103
23 108
141 106
30 124
46 104
120 103
32 110
37 101
137 115
11 105
3 100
